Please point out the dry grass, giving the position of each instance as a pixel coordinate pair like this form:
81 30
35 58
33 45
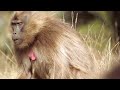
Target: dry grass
101 50
104 59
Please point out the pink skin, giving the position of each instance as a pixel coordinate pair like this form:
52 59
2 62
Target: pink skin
32 56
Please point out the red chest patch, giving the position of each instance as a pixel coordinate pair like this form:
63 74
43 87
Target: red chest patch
32 56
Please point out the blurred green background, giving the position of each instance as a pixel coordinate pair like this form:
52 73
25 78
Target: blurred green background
4 38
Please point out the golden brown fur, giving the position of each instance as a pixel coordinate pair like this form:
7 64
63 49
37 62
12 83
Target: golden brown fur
61 53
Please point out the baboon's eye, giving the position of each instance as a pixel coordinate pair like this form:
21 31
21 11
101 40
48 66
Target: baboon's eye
16 23
19 23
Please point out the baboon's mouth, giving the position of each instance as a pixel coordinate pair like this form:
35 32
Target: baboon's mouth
17 41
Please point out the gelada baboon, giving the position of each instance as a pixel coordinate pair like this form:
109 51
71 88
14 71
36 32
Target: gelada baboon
47 48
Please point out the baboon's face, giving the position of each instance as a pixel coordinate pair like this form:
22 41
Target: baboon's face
21 29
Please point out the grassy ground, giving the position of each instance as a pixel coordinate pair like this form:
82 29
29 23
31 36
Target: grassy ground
95 34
